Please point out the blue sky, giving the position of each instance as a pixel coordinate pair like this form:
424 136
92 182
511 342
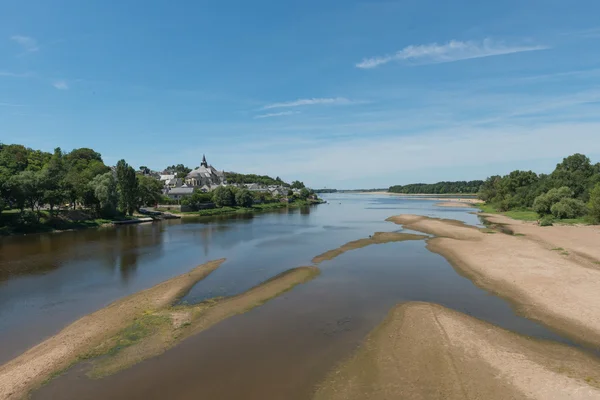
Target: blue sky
345 94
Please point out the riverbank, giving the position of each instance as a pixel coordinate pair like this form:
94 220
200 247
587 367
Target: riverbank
468 198
246 210
426 351
71 344
545 283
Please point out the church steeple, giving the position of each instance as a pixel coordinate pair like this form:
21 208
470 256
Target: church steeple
204 163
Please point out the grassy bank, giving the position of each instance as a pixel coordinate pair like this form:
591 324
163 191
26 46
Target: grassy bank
529 215
244 210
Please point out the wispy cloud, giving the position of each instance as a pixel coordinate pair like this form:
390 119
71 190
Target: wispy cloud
61 85
452 51
15 74
279 114
308 102
11 105
28 44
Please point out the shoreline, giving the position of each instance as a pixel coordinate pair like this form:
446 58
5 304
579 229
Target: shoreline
455 356
27 371
459 197
543 283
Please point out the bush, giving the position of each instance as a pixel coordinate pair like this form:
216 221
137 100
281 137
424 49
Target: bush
223 196
543 203
243 198
594 203
568 208
546 221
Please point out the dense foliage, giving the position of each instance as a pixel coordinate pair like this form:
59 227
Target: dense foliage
561 194
235 178
179 170
36 180
438 188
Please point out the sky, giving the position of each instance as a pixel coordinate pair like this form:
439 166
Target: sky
338 94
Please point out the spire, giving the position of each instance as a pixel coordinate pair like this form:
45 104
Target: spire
204 163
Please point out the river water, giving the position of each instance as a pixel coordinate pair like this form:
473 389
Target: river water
279 350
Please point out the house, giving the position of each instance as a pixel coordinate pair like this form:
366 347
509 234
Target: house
178 193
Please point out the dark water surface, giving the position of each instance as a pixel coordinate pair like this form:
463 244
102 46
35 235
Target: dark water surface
279 350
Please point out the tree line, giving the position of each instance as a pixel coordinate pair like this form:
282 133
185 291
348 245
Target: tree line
33 179
237 178
572 190
466 187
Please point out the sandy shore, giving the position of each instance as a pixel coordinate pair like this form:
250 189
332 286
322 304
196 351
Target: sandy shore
548 284
31 368
377 238
457 204
425 351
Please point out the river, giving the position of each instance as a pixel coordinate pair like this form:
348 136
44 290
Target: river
278 350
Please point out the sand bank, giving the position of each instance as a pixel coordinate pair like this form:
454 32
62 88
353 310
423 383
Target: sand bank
457 204
31 368
425 351
440 197
549 285
164 329
377 238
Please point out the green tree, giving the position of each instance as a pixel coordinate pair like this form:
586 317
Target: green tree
574 172
179 170
568 208
243 198
223 196
543 203
150 190
82 166
304 193
30 185
54 173
297 185
127 185
104 187
594 203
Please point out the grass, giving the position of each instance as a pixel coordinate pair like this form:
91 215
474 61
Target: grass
529 215
558 249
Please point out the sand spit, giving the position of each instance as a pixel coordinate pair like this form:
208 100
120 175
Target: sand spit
37 364
456 204
583 239
425 351
549 285
377 238
167 328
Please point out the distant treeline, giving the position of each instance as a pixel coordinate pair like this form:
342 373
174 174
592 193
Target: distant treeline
326 191
438 188
572 190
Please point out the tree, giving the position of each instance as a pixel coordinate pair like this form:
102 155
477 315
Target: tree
594 203
30 186
149 190
568 208
223 196
104 188
574 172
243 198
54 173
127 185
179 170
304 193
297 185
543 203
82 166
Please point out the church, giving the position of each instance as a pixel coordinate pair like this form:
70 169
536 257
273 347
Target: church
205 177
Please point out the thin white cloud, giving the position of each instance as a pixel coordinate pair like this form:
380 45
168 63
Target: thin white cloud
28 44
308 102
15 74
452 51
11 105
279 114
61 85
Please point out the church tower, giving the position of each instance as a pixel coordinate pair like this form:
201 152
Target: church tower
204 163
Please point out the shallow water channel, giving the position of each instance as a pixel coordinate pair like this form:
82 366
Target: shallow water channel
278 350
